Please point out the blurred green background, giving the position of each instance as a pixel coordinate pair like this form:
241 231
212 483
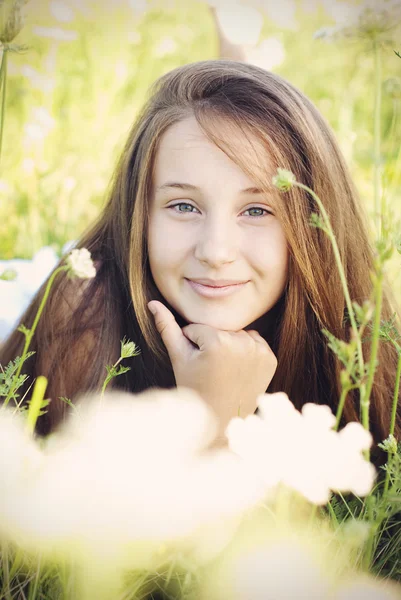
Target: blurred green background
73 94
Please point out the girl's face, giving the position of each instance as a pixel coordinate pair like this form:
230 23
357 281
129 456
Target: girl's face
208 221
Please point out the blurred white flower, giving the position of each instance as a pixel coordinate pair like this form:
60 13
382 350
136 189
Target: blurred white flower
281 13
28 165
61 11
55 33
81 264
310 6
240 23
131 469
165 46
20 463
367 588
301 450
69 183
138 6
368 20
40 125
269 54
134 37
121 70
260 574
37 80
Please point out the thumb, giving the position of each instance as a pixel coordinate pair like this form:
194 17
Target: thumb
171 333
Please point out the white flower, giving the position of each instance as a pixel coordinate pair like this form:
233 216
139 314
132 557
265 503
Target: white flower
241 24
301 450
81 264
363 587
61 11
132 471
165 46
270 53
367 20
260 574
55 33
20 463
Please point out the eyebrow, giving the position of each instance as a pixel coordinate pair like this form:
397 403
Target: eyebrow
189 186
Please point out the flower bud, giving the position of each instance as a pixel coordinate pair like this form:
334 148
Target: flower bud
389 445
284 180
128 349
11 19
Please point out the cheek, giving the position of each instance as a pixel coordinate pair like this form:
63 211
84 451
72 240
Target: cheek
166 248
269 253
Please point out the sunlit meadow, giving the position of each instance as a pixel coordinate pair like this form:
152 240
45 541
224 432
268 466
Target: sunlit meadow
155 511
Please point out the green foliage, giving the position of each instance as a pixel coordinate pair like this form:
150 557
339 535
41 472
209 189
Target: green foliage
8 379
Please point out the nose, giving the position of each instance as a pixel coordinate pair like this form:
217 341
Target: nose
217 243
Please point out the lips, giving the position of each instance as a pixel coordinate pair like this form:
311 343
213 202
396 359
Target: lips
217 283
213 291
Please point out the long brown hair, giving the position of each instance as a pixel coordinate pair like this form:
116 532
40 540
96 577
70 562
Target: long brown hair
83 322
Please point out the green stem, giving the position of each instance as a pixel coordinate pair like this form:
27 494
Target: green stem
33 587
341 403
379 209
109 378
392 422
367 558
374 349
396 395
31 332
340 408
332 513
340 270
36 403
3 80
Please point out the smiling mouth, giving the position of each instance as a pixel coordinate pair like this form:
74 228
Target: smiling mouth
215 291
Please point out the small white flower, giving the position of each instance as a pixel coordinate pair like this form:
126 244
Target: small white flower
81 264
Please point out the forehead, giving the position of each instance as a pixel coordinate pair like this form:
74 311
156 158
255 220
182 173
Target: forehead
186 146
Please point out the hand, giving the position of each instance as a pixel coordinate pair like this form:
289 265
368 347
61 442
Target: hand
229 369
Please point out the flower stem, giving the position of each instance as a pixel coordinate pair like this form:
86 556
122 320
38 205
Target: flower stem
396 394
340 268
3 81
378 208
374 348
340 408
35 404
392 421
109 377
30 333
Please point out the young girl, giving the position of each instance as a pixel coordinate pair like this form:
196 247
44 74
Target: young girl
241 282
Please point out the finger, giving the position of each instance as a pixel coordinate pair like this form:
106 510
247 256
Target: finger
256 336
199 334
167 326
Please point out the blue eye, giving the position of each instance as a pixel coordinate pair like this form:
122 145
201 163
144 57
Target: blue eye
264 211
182 204
259 208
